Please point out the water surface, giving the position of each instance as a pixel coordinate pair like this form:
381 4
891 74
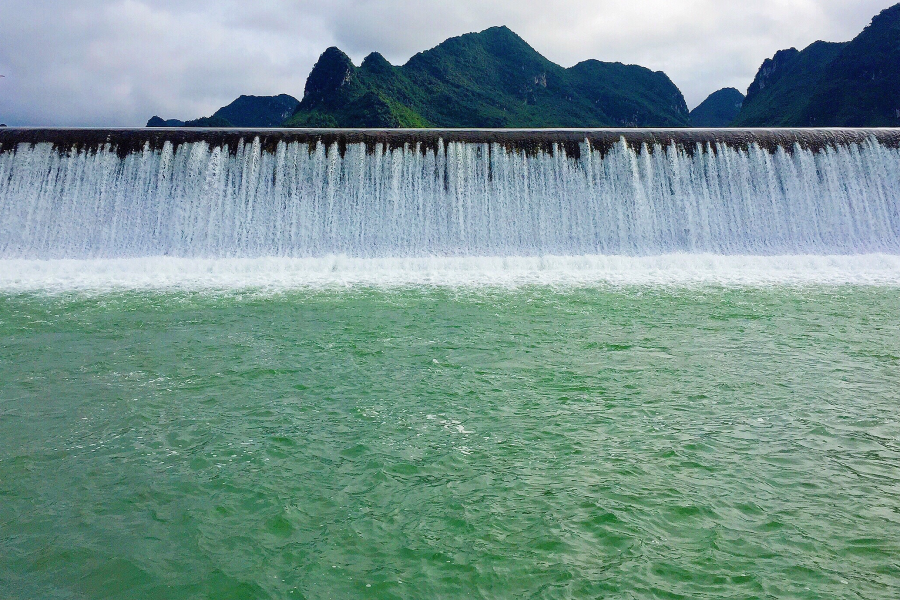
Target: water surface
439 442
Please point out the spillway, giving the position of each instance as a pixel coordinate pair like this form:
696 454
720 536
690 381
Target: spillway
89 194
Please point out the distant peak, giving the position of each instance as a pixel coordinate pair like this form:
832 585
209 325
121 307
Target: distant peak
374 56
728 91
499 29
333 58
500 41
333 70
375 62
500 32
333 52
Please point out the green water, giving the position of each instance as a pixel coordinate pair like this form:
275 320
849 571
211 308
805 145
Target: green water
432 443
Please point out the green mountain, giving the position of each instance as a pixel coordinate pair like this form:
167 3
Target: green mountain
855 83
487 79
719 109
258 111
863 84
246 111
780 93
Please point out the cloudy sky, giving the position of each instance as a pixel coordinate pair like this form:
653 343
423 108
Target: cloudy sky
118 62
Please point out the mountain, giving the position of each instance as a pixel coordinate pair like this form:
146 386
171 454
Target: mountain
258 111
487 79
246 111
850 84
784 84
863 83
719 109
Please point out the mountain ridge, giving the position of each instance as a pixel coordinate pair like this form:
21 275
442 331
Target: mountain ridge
495 79
831 84
491 78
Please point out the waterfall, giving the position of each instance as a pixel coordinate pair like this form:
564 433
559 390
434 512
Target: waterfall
249 199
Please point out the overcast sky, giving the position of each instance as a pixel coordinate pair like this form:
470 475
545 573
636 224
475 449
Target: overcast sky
118 62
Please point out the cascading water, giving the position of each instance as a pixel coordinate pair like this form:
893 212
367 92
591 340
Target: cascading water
456 199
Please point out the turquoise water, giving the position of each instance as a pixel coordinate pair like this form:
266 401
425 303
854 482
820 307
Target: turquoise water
623 442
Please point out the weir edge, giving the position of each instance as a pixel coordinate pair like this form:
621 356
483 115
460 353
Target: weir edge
531 141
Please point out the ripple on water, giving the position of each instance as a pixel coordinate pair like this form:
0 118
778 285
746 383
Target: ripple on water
642 442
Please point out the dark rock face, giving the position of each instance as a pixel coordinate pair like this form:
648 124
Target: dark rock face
771 71
487 79
719 109
852 84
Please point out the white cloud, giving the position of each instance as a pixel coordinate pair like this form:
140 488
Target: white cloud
117 62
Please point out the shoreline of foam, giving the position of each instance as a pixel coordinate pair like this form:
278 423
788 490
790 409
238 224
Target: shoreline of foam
679 270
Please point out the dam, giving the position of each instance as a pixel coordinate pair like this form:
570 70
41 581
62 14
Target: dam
197 193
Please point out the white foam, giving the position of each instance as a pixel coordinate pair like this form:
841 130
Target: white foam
166 273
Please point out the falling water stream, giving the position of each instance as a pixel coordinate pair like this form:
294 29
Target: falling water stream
456 199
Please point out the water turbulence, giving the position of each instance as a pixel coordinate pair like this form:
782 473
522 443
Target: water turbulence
231 194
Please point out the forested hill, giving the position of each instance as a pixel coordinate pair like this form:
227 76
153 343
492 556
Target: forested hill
487 79
246 111
850 84
719 109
